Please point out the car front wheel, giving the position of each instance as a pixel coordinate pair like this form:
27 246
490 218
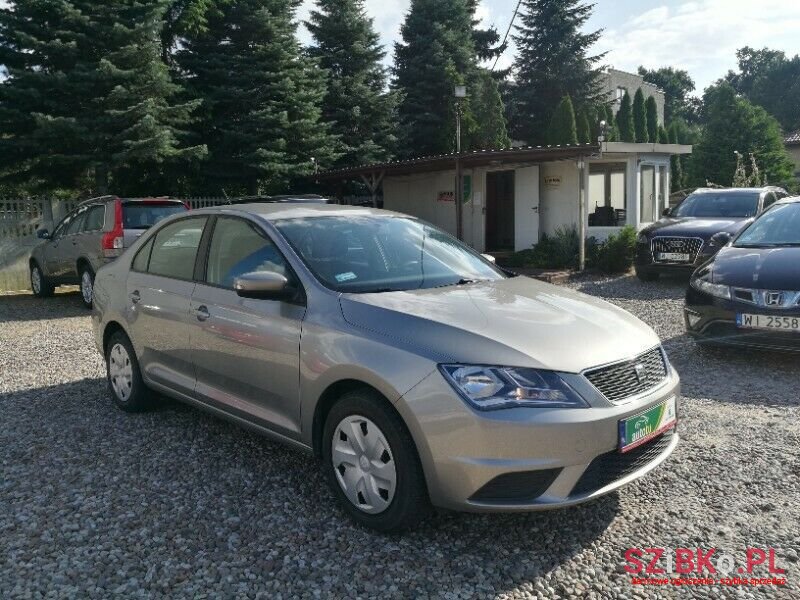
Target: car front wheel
40 286
124 377
371 463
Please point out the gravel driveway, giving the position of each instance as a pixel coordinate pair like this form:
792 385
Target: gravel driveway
94 502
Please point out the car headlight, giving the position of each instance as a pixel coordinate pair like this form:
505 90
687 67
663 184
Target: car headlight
714 289
495 388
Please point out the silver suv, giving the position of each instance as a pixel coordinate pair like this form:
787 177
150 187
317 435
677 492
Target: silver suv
417 371
90 236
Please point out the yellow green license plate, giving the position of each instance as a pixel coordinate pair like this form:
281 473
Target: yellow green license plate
640 429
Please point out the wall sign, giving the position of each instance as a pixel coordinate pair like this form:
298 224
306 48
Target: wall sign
446 197
552 181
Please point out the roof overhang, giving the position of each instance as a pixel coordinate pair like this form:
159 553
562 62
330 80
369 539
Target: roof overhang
631 148
477 158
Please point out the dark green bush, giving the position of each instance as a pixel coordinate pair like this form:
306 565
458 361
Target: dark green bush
616 254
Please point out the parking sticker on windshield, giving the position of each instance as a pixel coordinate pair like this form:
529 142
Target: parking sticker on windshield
342 277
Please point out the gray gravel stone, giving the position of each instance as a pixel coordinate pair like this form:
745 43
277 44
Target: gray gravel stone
177 504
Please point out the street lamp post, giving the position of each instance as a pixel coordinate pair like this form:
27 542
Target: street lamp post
460 93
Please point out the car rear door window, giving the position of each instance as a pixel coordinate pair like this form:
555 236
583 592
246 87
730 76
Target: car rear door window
142 260
238 248
769 200
175 249
95 219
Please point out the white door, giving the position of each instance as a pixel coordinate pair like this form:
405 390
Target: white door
526 208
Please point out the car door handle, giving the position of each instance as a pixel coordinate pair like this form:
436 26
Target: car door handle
202 313
135 297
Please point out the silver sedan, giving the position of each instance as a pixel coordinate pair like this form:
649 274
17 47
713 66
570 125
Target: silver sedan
416 370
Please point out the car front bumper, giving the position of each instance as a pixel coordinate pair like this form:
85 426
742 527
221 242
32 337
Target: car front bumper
713 321
537 459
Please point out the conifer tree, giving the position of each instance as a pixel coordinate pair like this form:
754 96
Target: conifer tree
625 120
676 161
662 135
438 52
356 104
584 130
651 112
86 104
640 134
262 98
553 61
611 124
562 130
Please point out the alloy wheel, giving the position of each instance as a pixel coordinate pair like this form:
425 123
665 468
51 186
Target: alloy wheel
364 464
120 372
36 281
87 287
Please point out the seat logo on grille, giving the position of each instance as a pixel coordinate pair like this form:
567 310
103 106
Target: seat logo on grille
641 373
774 298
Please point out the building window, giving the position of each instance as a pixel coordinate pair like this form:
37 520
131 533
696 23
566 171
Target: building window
607 195
620 92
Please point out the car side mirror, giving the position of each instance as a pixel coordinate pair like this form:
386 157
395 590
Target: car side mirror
490 258
721 239
43 234
263 285
667 212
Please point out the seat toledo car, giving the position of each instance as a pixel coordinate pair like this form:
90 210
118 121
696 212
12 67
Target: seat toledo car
749 294
417 371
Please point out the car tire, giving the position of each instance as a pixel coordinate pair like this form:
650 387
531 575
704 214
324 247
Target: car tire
125 383
366 419
40 285
87 286
645 275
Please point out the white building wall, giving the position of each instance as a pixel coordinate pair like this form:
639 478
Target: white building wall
559 185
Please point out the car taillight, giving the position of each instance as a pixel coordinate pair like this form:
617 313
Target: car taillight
114 241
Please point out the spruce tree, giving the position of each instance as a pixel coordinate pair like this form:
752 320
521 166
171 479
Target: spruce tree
356 104
733 125
662 135
625 120
553 61
438 52
91 99
261 96
651 113
562 130
639 118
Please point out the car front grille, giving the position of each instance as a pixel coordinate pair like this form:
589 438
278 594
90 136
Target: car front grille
677 245
613 466
626 379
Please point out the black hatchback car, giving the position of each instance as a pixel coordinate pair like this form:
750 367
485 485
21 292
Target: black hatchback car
749 294
684 238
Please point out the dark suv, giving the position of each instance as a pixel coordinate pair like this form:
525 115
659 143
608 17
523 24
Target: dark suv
684 239
90 236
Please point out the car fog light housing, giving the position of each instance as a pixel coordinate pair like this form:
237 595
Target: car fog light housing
693 319
496 388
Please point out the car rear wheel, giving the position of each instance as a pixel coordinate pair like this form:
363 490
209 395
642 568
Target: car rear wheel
40 285
371 463
124 377
87 286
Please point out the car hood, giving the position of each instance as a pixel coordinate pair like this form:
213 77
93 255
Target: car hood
692 227
513 322
758 268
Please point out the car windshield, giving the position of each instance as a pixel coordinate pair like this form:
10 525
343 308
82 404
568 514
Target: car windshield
721 205
143 215
366 254
779 226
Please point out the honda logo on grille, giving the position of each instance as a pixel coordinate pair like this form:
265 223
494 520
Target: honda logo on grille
641 373
774 298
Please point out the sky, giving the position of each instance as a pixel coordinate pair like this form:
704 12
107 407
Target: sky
701 36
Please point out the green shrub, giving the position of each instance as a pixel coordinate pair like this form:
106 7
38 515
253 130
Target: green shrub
616 254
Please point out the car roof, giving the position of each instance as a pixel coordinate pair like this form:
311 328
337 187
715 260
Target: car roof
285 210
769 188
